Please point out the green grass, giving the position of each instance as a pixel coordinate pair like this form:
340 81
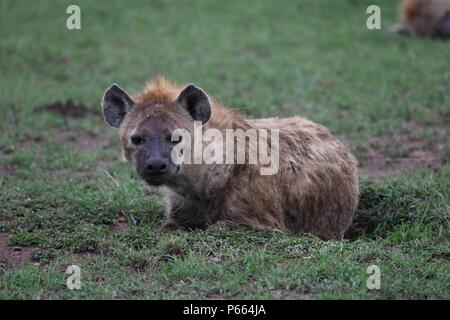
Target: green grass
264 58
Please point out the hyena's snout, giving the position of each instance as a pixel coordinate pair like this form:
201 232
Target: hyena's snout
155 167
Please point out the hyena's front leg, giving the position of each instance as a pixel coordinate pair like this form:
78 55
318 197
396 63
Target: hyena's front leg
170 225
182 213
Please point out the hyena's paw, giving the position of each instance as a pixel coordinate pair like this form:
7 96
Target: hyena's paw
169 226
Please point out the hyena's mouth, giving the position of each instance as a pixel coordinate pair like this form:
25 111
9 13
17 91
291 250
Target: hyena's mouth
156 181
160 179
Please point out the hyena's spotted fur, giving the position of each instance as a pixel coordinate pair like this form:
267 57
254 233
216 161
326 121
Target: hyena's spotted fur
314 191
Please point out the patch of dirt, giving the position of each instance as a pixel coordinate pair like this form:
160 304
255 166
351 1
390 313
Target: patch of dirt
8 170
81 141
14 255
389 156
67 109
120 223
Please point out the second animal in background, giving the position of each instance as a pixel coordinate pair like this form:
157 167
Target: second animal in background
424 18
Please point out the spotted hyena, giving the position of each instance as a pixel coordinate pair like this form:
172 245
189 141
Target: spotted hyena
424 18
314 189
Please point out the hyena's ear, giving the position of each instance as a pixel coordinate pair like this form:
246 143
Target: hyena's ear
115 105
196 102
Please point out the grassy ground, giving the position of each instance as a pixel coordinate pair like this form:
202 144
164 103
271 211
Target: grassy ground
67 198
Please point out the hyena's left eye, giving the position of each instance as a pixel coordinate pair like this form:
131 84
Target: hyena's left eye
175 140
136 140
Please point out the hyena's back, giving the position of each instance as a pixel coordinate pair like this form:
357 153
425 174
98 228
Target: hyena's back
316 188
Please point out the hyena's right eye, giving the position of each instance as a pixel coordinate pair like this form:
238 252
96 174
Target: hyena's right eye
136 140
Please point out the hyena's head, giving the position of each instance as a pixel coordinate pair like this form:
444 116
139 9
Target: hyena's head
147 124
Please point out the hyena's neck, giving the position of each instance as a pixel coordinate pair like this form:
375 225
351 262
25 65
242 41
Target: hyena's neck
223 118
200 181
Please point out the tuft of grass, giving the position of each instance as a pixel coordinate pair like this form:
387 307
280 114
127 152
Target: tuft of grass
419 207
25 239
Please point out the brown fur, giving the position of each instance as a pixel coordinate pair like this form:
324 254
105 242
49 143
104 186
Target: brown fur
314 191
425 18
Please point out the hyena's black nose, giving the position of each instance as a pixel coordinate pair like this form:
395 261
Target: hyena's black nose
156 166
